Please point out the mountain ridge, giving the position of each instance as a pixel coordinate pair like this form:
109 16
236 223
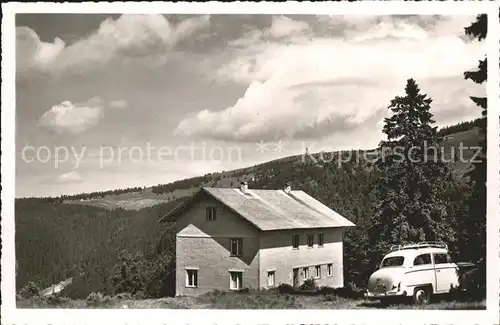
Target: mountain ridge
142 197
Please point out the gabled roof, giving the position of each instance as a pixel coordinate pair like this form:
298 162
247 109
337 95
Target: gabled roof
273 209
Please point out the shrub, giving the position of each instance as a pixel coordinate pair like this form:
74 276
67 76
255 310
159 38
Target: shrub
97 299
29 290
330 297
354 287
327 290
212 296
139 295
56 300
309 285
349 292
286 288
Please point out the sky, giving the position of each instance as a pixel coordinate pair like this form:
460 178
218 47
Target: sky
115 101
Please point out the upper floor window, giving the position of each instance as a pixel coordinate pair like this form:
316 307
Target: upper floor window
310 240
236 246
422 259
211 213
295 241
321 240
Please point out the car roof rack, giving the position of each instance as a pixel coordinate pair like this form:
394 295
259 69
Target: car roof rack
424 244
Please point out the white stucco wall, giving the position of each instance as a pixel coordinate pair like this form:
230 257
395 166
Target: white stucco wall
205 245
276 253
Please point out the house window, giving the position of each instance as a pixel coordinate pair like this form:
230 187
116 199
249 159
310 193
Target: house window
295 241
211 213
191 278
329 269
235 280
321 240
310 240
318 271
236 246
270 278
305 271
422 259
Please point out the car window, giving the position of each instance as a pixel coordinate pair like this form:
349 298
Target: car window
422 259
441 259
393 261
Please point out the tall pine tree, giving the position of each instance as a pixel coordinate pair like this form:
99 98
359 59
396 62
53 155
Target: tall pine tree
409 207
473 229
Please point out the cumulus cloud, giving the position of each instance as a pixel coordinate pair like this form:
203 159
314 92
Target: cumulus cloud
146 38
269 111
31 52
323 85
119 104
73 118
282 26
71 177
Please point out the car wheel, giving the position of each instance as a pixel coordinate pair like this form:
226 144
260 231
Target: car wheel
422 296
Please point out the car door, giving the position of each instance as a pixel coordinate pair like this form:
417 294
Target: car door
447 276
422 271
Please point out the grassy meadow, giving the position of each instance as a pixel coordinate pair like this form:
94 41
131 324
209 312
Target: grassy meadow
252 300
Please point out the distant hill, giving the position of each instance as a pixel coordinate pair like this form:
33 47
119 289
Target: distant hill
138 198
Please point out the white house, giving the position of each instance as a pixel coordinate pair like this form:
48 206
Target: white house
235 238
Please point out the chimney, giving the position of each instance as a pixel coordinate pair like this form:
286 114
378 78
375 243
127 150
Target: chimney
288 187
244 187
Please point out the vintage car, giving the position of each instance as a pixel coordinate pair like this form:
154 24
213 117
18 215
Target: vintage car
416 271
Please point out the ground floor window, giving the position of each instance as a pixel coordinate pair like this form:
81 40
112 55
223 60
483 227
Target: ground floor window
235 280
306 273
191 278
329 270
318 272
270 278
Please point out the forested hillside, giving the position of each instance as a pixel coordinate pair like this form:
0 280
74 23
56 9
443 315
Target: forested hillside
55 241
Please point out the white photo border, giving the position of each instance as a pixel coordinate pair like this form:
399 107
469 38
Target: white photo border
12 315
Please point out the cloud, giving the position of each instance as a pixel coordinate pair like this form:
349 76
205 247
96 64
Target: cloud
71 177
73 118
118 104
269 111
320 86
31 52
283 26
363 27
130 38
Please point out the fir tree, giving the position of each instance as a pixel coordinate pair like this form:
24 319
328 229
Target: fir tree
474 227
409 205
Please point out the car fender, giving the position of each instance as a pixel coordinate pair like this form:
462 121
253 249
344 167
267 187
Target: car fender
410 290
